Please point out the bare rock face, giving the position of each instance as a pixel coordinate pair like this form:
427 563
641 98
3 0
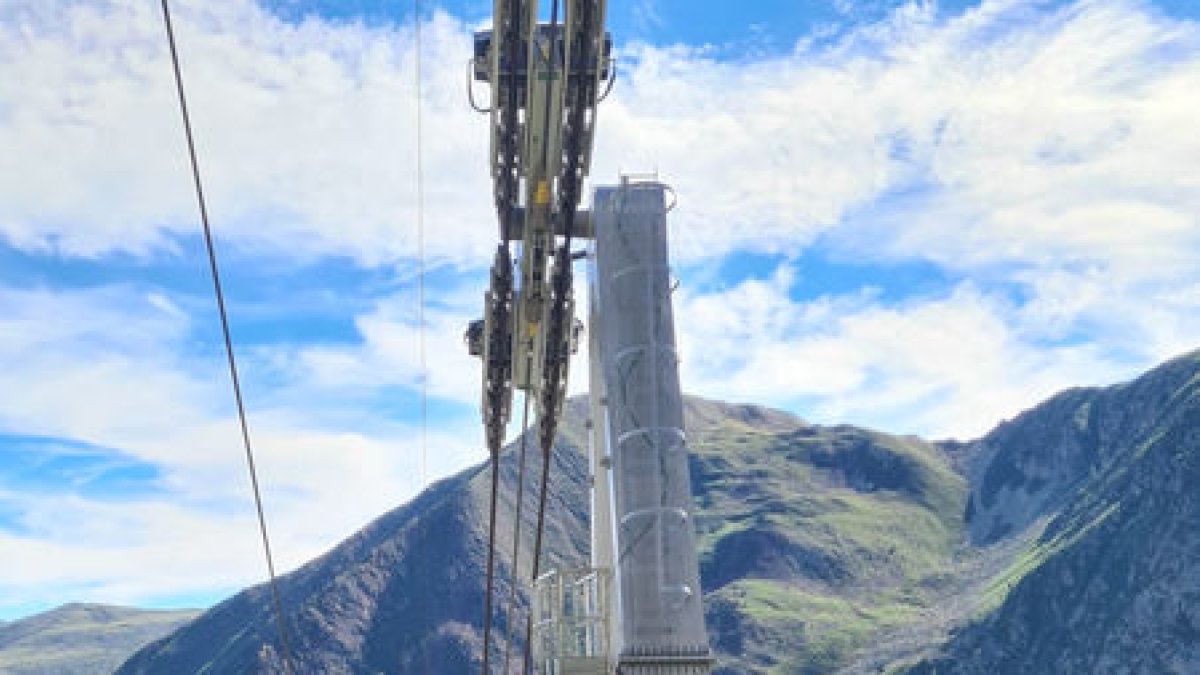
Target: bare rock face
1112 583
1031 466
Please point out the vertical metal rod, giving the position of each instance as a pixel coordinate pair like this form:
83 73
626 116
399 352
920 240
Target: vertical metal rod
512 597
602 534
421 347
491 566
537 548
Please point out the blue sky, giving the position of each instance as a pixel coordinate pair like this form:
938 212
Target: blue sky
917 216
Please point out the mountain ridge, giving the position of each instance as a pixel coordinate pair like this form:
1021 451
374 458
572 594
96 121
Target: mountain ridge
822 548
1110 582
81 638
355 623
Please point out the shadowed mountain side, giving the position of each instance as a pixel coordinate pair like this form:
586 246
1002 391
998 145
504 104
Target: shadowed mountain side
403 595
81 639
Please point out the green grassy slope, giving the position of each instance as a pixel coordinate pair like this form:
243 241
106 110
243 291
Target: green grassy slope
816 540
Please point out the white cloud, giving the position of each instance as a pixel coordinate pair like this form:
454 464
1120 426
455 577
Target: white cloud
1019 134
948 365
306 133
1004 135
1053 143
646 16
121 554
116 368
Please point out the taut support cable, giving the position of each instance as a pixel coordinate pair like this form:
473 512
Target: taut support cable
421 347
285 651
512 597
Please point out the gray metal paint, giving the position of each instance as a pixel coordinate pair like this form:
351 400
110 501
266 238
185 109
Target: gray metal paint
661 611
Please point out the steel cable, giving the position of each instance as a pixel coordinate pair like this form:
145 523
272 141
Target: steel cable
285 651
491 565
512 598
421 346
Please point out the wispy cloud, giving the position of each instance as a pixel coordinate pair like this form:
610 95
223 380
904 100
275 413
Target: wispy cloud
646 16
941 365
1004 135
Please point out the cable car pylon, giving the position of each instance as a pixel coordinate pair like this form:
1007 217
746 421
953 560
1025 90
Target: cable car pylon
636 607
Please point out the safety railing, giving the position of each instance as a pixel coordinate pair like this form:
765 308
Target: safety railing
571 620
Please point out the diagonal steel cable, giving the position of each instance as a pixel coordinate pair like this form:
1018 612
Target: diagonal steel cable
277 605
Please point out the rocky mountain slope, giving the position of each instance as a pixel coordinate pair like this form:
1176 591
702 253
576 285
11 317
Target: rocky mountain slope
1111 581
80 639
812 539
1067 540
